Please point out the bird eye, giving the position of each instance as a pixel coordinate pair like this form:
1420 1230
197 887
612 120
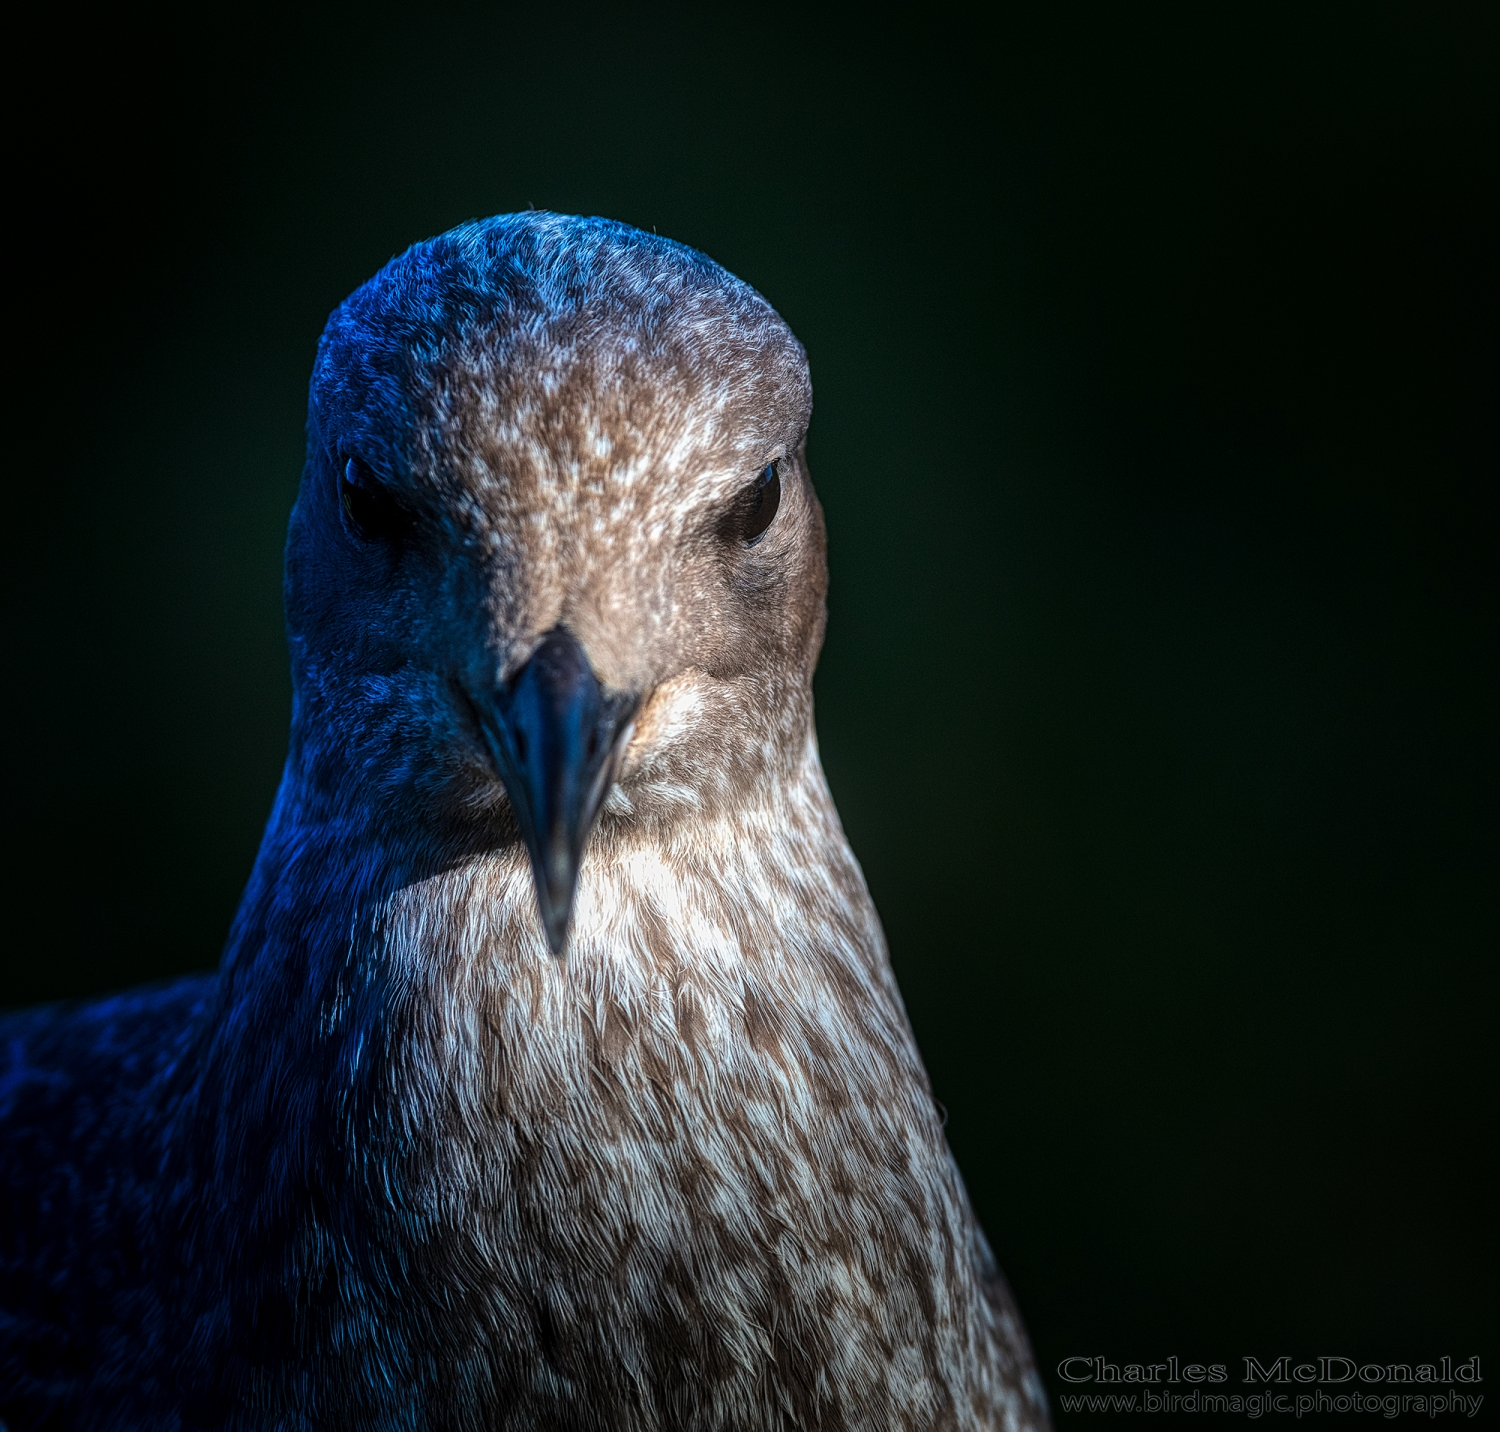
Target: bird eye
758 510
369 511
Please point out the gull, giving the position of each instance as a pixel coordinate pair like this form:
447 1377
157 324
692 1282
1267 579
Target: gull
555 1075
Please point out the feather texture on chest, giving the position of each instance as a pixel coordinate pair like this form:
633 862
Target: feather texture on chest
698 1152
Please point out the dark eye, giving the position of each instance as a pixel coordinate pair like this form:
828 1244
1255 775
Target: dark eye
368 509
760 504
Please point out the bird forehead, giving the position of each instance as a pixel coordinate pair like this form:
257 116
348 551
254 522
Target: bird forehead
553 432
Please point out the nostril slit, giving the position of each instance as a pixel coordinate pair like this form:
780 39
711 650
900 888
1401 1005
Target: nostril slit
520 738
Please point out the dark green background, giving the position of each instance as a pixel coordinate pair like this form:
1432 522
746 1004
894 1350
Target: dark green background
1154 427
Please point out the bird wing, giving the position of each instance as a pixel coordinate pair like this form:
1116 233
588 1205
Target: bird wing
77 1174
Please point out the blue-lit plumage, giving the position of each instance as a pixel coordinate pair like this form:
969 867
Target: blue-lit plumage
84 1088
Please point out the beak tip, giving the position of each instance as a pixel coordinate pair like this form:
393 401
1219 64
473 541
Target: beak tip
556 882
556 911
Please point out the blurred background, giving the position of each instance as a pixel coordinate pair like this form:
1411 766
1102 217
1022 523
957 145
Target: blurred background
1154 362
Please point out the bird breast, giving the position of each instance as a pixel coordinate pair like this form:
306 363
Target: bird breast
705 1128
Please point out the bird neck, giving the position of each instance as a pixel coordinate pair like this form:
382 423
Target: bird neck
398 968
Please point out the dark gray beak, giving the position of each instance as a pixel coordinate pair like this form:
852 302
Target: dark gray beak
556 735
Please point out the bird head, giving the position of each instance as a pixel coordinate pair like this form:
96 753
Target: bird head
556 561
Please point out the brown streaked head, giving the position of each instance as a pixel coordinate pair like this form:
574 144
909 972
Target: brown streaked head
556 560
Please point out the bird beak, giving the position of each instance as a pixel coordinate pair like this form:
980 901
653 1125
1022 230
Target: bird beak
555 736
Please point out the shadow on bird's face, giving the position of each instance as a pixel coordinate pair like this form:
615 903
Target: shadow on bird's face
555 565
